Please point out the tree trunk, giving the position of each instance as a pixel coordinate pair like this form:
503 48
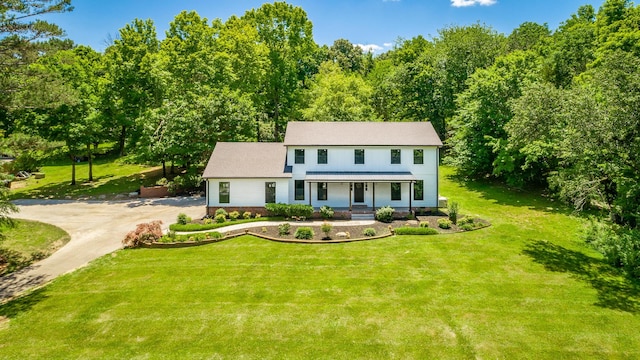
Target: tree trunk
90 162
123 134
164 169
73 169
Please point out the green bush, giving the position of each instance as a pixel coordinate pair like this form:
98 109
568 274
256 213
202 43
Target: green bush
445 223
220 218
619 245
326 228
453 211
246 215
278 209
300 210
467 227
183 219
405 230
369 232
466 220
221 211
304 233
234 215
424 224
207 221
284 229
385 214
326 212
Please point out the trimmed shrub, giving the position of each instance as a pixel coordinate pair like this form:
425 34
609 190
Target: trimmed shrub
220 218
207 221
369 232
221 211
144 233
467 227
424 224
415 231
466 220
445 223
258 216
326 228
326 212
385 214
453 211
284 229
278 209
246 215
234 215
304 233
183 219
300 210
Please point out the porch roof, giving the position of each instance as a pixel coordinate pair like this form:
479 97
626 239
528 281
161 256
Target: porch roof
359 176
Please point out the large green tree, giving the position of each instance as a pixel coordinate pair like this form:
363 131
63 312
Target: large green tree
286 33
336 95
133 84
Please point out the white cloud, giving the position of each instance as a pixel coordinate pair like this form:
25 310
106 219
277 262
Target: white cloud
374 48
370 47
464 3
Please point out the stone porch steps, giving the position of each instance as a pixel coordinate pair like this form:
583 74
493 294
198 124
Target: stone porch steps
369 216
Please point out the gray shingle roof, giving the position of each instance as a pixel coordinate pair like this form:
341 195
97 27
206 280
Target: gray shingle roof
247 160
361 133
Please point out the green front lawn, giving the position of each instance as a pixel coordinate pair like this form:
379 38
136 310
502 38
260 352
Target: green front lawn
523 288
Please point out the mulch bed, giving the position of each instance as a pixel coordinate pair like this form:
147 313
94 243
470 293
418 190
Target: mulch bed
355 231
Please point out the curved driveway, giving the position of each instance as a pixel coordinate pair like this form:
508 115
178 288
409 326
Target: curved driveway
96 228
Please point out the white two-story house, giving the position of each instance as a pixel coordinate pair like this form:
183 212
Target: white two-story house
350 166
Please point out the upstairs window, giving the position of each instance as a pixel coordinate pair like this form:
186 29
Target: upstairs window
359 156
223 193
395 156
299 156
322 156
299 195
418 156
396 191
322 191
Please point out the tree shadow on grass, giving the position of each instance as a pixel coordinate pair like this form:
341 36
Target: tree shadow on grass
615 291
15 307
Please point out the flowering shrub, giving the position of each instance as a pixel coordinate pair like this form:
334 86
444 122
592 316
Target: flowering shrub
144 233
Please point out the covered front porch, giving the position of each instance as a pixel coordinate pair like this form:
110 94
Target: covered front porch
361 192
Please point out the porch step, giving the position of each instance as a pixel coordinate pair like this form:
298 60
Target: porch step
363 216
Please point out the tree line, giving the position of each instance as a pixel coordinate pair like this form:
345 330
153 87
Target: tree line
555 108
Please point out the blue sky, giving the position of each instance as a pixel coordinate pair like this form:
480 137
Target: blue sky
375 24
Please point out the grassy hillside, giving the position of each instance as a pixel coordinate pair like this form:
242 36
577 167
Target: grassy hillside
523 288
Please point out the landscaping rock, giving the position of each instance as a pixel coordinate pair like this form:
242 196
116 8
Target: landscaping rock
341 234
133 194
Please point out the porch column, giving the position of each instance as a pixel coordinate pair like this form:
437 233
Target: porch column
350 190
410 210
373 188
310 193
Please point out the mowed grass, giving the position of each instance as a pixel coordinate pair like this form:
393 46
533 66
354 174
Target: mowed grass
27 236
111 176
523 288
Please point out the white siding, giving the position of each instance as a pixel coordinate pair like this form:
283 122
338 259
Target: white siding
246 192
377 158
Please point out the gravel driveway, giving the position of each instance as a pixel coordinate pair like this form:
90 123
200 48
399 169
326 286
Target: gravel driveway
96 228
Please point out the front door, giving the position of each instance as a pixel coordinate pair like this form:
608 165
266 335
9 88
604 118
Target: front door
358 193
